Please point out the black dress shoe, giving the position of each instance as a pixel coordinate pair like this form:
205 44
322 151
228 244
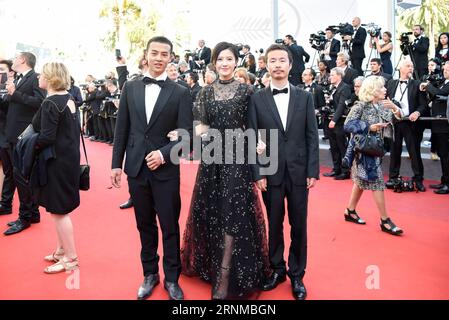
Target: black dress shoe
420 186
343 176
5 210
128 204
32 221
443 190
146 289
330 174
174 290
298 289
17 227
274 281
436 186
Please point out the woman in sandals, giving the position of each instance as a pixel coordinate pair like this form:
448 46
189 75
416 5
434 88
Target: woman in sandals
58 128
372 114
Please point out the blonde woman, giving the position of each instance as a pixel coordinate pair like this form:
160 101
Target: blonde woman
372 114
57 124
241 75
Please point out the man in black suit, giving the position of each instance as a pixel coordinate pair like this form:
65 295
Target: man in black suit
245 57
420 51
440 129
149 109
308 78
376 70
290 111
337 135
349 73
192 82
203 55
173 75
412 101
331 49
300 57
24 99
357 45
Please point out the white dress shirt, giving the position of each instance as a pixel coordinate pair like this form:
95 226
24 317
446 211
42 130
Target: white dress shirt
282 101
152 92
402 96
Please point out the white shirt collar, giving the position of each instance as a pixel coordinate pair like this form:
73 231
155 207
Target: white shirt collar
25 73
162 77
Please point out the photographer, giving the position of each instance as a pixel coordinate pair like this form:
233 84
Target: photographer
442 49
337 135
173 75
357 51
406 95
419 50
261 72
246 56
111 108
440 128
322 78
300 57
385 50
93 103
331 49
308 78
192 82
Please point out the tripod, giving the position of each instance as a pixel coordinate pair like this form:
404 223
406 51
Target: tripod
376 55
317 51
404 52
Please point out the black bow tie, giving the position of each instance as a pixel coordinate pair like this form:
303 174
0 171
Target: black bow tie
148 80
276 91
401 82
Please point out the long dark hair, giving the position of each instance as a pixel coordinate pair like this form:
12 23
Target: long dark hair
440 46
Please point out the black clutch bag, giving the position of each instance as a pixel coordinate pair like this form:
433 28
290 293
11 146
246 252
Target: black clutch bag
370 144
84 170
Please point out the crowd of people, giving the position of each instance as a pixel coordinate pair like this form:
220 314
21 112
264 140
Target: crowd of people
212 92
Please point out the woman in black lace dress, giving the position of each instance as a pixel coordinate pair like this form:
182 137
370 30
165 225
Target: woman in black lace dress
225 238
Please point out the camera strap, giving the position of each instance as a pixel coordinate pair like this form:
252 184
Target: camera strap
405 90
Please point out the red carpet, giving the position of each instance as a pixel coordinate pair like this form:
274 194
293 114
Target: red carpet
414 266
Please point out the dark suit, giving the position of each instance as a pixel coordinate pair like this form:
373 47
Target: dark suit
420 51
318 95
300 56
335 48
205 54
153 192
349 77
440 129
408 131
297 160
387 77
337 135
194 91
22 106
357 52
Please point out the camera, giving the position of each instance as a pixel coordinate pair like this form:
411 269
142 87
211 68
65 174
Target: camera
405 42
239 46
436 79
344 29
373 30
279 41
318 40
99 83
402 185
191 54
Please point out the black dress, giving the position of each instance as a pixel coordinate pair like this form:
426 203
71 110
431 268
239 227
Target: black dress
59 127
225 239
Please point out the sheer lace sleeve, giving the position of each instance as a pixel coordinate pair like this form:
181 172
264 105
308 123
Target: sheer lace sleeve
200 116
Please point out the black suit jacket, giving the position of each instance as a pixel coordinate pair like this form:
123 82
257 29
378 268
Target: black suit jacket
22 105
173 110
358 44
350 75
334 50
318 95
300 57
194 91
298 149
416 98
439 107
206 56
341 94
420 51
122 73
387 77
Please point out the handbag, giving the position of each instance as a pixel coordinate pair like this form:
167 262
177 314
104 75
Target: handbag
84 170
370 145
27 132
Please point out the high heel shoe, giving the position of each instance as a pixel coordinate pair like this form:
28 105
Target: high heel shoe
393 229
63 265
349 217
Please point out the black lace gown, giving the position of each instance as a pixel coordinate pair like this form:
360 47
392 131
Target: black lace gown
225 238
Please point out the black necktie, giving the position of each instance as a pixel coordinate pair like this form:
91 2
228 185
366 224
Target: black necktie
276 91
18 78
148 80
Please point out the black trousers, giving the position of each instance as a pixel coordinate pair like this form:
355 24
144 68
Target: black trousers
442 146
112 121
151 198
408 132
29 206
108 125
90 126
297 202
357 65
338 142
